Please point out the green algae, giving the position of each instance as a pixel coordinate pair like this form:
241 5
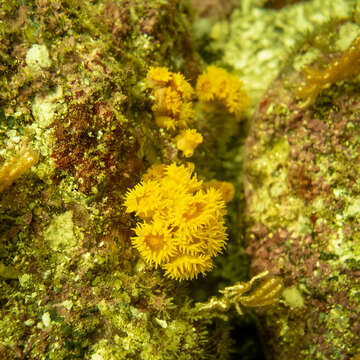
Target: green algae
312 242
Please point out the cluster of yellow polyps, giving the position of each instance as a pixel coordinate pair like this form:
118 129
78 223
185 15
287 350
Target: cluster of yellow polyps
187 141
183 221
217 85
173 108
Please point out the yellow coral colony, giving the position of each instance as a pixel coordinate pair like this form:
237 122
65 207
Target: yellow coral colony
173 108
182 224
173 94
217 85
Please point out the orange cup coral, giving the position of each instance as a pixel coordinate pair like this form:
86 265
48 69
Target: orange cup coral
183 221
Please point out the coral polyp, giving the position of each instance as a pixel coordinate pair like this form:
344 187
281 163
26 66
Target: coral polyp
140 199
187 141
182 224
172 93
187 266
217 85
155 242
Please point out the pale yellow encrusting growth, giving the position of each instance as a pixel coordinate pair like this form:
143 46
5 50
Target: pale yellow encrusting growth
17 166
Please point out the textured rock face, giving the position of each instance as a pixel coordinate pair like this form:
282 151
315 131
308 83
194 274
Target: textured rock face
303 209
72 88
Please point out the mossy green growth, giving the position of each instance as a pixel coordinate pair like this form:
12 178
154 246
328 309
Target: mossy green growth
312 239
72 78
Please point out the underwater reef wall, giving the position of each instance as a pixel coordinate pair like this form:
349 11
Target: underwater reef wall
302 189
77 131
105 106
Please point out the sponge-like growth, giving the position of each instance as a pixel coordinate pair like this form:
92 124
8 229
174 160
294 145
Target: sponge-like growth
182 224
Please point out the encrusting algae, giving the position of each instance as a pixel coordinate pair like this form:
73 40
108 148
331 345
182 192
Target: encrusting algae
183 221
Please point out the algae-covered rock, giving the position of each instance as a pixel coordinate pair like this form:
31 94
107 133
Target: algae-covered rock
95 97
73 93
302 189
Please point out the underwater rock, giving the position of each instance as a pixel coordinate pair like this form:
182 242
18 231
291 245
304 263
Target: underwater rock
73 89
303 207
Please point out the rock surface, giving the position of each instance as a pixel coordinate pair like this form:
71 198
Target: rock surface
303 210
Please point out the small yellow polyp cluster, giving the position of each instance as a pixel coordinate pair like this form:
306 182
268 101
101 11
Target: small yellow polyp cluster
183 222
173 107
216 84
17 166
